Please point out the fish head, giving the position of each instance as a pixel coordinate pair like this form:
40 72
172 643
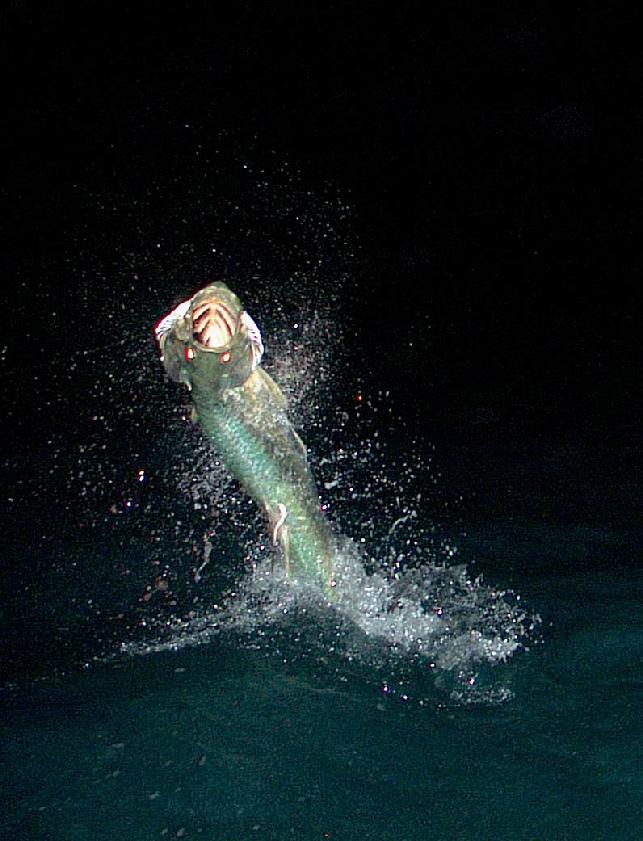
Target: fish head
209 339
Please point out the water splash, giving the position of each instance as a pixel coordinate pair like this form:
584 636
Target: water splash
432 620
404 609
135 479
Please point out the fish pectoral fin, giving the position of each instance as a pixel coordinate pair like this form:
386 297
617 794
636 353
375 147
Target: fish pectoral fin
281 534
278 522
285 548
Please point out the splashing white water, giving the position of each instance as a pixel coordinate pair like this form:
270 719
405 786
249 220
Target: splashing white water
135 471
435 618
400 601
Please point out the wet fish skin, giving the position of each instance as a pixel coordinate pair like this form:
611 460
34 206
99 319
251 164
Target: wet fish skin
210 344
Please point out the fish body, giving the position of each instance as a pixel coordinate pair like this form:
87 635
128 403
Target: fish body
211 344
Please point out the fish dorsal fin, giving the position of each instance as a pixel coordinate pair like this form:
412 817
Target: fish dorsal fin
299 443
264 380
259 379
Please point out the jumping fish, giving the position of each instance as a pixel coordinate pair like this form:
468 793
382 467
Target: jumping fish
210 344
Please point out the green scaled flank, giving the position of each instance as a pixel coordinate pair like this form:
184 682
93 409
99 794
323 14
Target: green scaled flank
210 344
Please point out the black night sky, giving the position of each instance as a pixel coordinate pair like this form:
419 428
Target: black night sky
488 154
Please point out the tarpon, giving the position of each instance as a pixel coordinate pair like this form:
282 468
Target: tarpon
210 344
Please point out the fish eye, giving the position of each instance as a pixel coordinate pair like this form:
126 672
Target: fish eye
226 357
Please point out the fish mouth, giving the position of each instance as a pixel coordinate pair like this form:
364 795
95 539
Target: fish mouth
212 321
214 325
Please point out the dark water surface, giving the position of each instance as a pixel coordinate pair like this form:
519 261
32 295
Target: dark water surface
220 741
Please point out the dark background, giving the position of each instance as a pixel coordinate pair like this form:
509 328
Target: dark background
489 154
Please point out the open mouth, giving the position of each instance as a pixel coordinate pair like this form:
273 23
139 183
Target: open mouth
214 324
